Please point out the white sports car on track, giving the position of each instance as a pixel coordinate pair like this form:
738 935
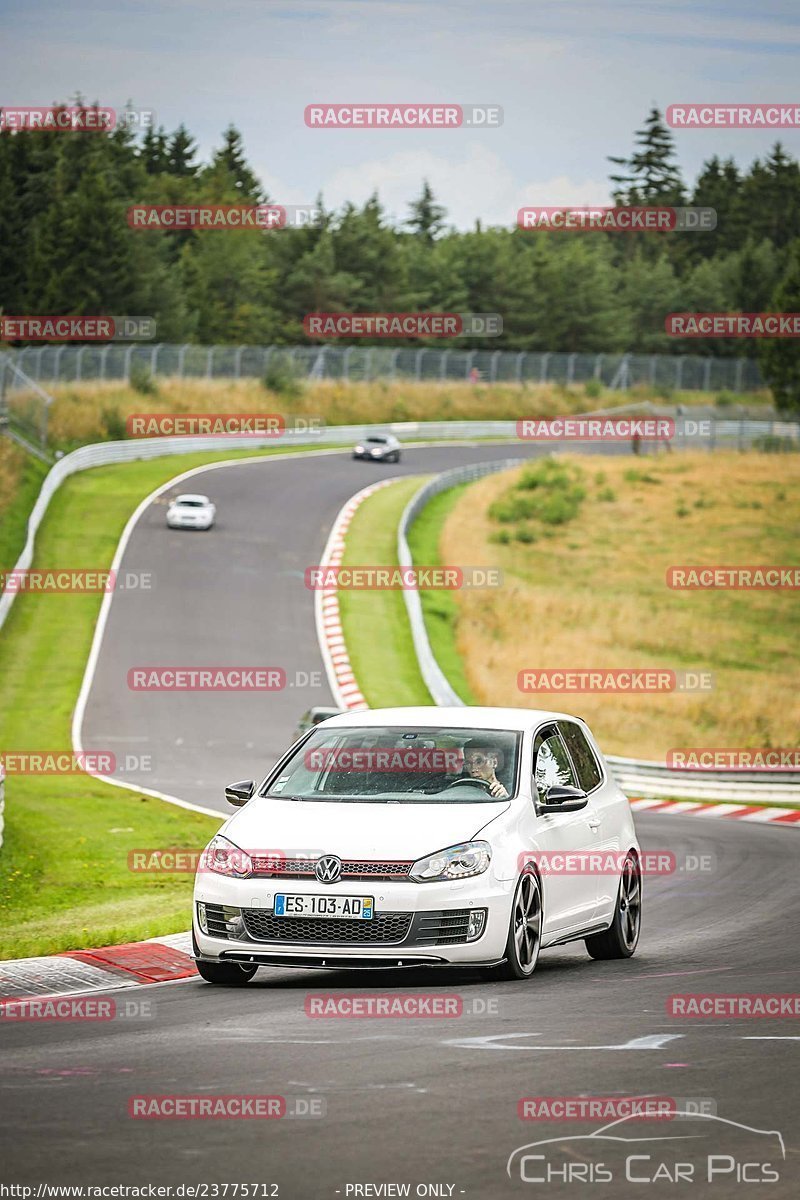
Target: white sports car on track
422 836
191 512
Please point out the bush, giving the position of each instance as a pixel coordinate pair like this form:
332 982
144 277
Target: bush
141 380
548 492
632 475
607 494
525 534
282 377
725 400
770 443
593 388
114 424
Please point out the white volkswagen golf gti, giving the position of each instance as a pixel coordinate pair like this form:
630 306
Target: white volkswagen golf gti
408 837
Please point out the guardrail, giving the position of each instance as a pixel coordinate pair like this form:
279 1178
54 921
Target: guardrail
632 775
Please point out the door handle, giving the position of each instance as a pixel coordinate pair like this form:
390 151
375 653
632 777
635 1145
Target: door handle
594 824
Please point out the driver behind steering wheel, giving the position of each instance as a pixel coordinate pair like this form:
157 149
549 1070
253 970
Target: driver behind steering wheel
481 761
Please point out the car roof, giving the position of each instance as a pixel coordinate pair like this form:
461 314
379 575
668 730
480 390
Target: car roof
466 717
191 496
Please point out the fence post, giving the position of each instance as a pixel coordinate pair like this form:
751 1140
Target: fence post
238 360
126 370
181 358
737 386
543 370
39 364
346 362
57 365
470 361
495 357
209 361
154 358
518 373
79 362
598 367
418 365
570 368
103 356
707 375
393 367
443 365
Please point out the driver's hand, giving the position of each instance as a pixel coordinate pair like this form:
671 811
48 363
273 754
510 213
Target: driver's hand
496 789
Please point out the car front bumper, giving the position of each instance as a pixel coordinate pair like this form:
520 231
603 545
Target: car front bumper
414 924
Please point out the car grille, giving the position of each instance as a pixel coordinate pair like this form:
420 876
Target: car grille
303 868
385 928
440 928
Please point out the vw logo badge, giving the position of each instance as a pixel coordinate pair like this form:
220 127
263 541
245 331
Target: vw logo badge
328 868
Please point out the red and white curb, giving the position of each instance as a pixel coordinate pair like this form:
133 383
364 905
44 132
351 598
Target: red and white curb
758 814
341 679
101 969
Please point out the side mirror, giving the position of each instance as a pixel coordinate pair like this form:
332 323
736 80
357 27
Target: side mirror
238 794
560 798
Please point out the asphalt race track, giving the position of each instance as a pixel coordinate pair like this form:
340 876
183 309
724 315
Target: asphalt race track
406 1101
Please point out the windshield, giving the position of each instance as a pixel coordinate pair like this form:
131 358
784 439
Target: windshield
191 503
380 441
382 764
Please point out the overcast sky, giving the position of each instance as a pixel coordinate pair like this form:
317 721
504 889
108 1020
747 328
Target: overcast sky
575 79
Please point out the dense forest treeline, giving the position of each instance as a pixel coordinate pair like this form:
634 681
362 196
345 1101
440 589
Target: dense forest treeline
66 248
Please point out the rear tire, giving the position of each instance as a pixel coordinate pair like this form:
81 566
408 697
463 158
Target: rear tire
620 940
225 974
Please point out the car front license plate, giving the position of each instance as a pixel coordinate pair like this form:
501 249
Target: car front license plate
360 908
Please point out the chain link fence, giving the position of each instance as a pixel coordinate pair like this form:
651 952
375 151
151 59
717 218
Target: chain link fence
73 364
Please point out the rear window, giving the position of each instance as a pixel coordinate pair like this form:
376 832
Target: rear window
192 503
589 774
380 441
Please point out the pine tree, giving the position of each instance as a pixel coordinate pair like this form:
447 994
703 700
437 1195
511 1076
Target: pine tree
427 217
181 152
651 175
231 159
154 152
780 357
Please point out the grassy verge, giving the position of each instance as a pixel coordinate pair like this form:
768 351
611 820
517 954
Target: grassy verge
375 624
64 879
440 608
585 587
21 478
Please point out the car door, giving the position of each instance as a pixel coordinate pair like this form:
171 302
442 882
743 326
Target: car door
606 808
570 897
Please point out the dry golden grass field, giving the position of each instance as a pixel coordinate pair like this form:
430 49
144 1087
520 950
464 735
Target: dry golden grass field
591 593
88 412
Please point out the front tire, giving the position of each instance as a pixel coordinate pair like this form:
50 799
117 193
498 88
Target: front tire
620 940
225 974
524 932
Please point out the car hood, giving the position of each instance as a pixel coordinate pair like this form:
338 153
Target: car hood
370 831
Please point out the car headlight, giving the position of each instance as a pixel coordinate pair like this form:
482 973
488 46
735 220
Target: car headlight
457 862
224 858
359 449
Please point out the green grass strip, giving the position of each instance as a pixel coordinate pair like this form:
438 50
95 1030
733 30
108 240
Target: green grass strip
440 608
64 877
375 624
